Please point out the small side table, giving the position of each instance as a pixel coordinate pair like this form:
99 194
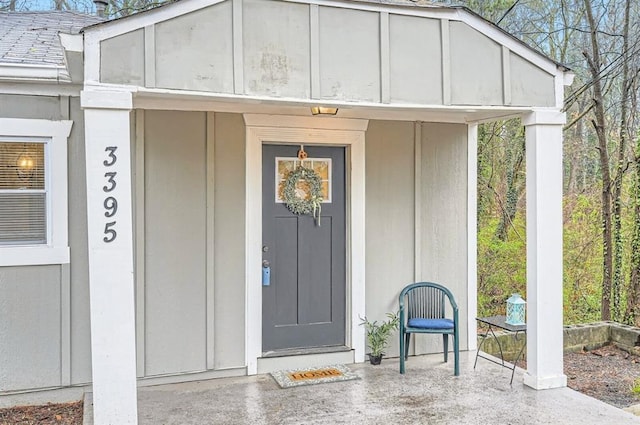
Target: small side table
499 322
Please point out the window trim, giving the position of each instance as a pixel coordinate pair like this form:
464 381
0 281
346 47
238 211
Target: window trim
56 250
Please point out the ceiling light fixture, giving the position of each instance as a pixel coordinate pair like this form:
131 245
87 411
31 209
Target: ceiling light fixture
323 110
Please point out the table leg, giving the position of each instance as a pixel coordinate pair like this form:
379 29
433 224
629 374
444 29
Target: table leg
484 336
515 362
499 345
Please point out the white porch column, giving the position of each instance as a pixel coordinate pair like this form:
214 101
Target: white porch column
544 250
109 216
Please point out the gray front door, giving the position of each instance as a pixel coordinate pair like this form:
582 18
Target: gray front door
304 305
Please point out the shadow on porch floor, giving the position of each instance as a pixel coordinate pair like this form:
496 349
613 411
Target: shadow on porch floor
427 394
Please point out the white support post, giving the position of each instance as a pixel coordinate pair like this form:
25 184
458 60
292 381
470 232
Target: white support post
544 250
111 281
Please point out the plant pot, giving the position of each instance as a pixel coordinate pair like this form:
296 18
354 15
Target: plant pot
375 360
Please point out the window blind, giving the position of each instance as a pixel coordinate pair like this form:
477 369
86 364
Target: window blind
23 196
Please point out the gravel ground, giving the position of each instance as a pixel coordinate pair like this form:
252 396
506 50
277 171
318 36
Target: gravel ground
607 374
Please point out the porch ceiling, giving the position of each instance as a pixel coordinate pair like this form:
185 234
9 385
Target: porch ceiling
402 61
175 100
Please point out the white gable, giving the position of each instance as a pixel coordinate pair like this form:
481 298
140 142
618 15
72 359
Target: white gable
341 52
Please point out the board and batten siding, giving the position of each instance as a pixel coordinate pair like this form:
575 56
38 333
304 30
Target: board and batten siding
182 179
229 266
389 211
443 213
391 217
30 327
175 242
309 52
44 310
179 332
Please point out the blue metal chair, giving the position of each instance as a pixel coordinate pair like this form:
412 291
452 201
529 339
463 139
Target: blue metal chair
422 310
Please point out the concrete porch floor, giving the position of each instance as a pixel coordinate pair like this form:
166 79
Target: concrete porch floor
427 394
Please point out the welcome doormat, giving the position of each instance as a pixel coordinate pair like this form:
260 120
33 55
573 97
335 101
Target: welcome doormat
300 377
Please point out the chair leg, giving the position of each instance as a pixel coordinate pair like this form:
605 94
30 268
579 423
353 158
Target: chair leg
445 343
402 349
456 353
406 346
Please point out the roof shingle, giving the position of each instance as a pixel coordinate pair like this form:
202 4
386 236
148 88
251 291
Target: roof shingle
31 38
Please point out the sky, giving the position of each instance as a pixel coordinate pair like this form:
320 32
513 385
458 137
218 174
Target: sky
85 6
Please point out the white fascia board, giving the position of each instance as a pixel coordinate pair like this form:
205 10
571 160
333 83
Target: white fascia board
39 88
514 45
145 98
394 9
92 57
558 82
71 42
21 72
568 78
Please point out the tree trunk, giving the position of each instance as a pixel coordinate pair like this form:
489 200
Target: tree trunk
631 314
514 159
593 60
618 280
633 293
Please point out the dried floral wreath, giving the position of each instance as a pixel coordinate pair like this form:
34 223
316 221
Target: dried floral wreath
312 203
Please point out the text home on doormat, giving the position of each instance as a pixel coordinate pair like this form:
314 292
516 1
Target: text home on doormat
314 374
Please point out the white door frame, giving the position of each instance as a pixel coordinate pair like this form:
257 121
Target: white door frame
308 130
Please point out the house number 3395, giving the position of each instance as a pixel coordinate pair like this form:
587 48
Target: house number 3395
110 203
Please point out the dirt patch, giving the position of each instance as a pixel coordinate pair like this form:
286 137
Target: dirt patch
48 414
607 374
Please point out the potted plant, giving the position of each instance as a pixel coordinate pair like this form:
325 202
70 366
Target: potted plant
378 335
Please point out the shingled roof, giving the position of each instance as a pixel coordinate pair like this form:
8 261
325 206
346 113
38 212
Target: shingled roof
31 38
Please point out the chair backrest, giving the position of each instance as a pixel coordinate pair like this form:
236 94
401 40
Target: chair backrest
426 300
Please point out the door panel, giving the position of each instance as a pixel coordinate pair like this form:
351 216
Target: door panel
304 305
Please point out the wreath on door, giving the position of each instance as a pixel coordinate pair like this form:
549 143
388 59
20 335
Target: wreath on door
299 201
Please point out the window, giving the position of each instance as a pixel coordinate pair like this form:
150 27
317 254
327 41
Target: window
322 166
33 192
23 192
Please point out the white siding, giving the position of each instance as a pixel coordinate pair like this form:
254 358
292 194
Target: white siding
175 242
229 241
389 216
391 221
30 327
530 83
349 54
122 59
195 51
307 52
44 310
476 67
415 60
276 57
444 216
